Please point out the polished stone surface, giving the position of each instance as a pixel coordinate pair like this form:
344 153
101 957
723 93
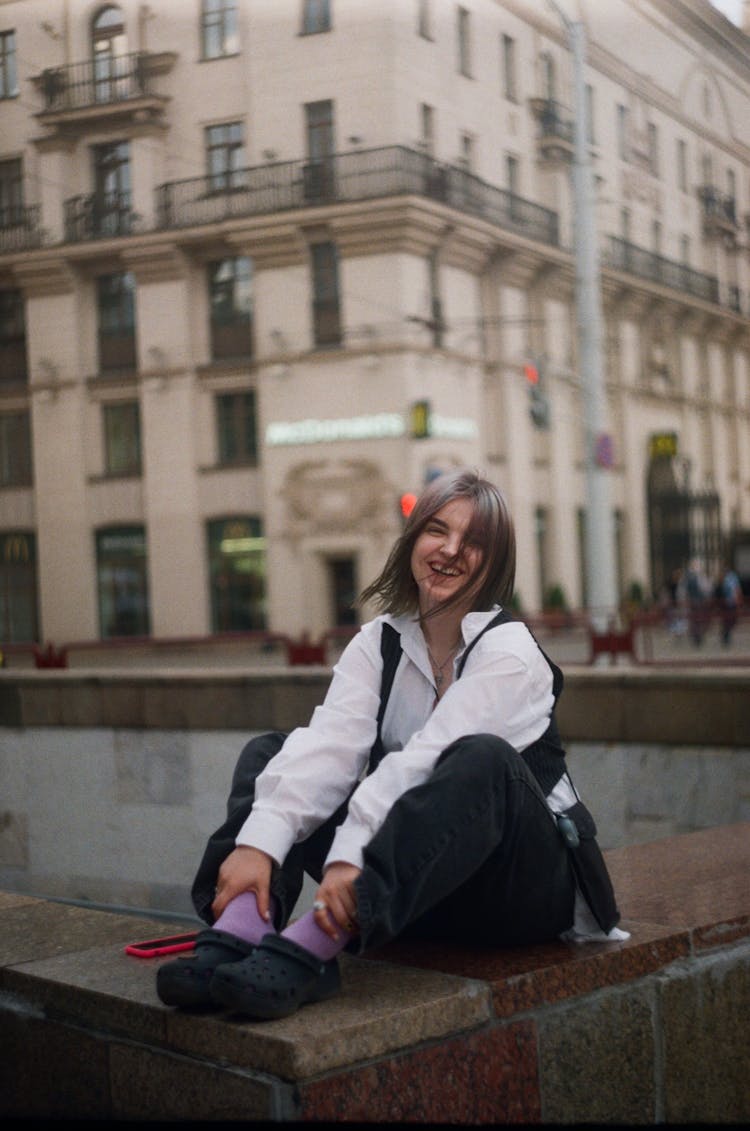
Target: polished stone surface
699 881
484 1077
640 1031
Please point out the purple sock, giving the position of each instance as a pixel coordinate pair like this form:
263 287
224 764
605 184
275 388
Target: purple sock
241 917
306 933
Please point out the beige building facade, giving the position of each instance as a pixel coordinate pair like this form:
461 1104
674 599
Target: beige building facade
268 265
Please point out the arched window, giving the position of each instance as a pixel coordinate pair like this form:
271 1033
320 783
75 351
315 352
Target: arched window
109 48
108 32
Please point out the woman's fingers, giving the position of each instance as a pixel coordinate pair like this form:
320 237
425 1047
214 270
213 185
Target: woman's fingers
335 903
245 869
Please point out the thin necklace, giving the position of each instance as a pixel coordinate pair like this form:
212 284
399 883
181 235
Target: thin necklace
438 670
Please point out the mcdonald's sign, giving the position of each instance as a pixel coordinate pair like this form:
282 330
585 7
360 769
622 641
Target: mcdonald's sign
16 549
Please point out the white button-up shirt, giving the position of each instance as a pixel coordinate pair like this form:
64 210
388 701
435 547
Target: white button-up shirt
505 689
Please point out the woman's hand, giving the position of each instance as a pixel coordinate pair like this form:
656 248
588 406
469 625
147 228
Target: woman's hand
245 869
337 893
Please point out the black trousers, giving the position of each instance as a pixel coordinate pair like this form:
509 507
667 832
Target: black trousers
471 855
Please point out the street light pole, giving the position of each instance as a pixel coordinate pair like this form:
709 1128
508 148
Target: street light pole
600 558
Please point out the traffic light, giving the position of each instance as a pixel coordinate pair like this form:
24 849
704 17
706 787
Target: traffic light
538 403
406 503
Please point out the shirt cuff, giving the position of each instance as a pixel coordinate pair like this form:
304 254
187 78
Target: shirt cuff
267 832
347 846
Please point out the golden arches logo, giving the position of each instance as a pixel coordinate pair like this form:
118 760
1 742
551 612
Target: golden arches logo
16 548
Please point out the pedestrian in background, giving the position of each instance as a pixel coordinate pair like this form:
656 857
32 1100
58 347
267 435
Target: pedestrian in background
698 596
729 598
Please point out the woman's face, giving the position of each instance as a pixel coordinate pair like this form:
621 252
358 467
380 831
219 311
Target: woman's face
441 562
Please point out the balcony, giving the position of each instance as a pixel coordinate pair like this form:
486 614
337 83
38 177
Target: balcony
622 255
556 130
347 177
719 215
111 87
98 216
19 228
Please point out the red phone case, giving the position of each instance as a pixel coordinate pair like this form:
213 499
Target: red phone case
169 944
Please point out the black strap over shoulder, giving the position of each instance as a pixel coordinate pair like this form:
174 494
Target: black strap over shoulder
390 650
504 617
545 757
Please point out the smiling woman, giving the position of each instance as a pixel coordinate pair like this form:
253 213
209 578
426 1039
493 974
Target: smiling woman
428 797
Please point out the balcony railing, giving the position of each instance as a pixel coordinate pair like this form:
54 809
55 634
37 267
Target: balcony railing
19 227
718 206
364 175
95 82
556 127
98 216
625 256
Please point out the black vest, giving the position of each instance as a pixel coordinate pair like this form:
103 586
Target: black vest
545 757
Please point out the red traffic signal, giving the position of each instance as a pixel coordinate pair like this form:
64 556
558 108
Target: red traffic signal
407 502
531 373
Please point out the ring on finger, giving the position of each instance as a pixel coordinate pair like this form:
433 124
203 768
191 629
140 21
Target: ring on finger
320 905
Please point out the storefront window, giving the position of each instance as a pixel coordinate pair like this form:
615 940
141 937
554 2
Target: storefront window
18 588
237 564
121 565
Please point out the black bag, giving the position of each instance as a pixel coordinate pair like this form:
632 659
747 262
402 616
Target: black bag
589 867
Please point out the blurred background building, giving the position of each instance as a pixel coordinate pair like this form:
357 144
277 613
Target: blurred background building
266 266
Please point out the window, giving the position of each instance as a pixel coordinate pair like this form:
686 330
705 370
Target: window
343 589
11 193
424 21
623 127
316 16
237 571
115 296
541 537
625 218
12 337
707 170
236 425
325 281
437 323
318 174
110 214
549 81
512 170
319 129
219 28
427 118
225 156
685 250
463 32
8 73
466 156
583 569
508 68
122 581
656 237
618 521
15 450
731 184
109 46
590 107
230 284
18 587
682 176
653 149
122 438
